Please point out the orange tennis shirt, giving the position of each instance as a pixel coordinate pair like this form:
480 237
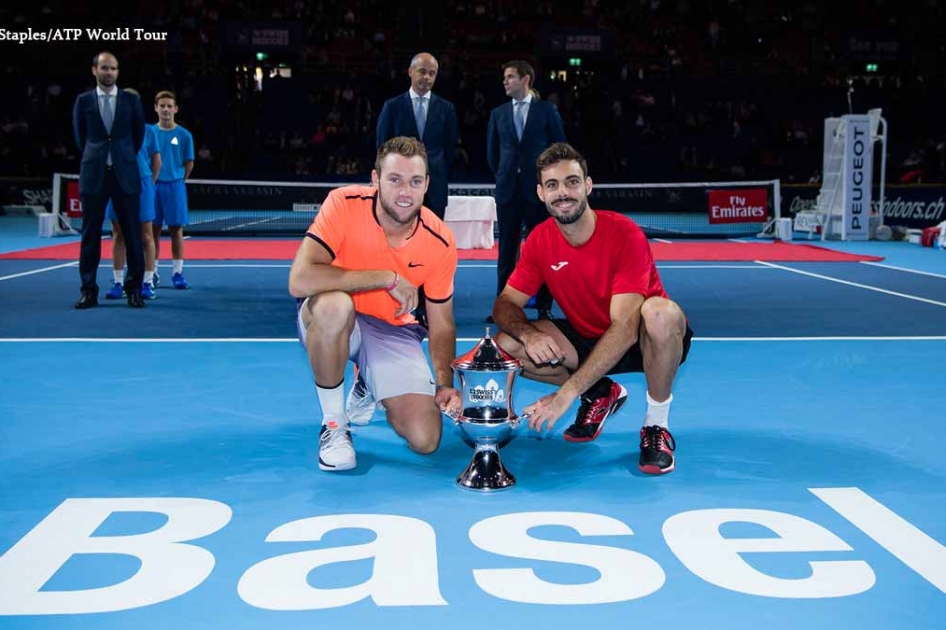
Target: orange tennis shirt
347 227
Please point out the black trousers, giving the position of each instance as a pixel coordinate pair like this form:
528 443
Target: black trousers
521 210
127 209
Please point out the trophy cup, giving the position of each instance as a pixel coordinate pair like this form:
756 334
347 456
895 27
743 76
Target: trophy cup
487 421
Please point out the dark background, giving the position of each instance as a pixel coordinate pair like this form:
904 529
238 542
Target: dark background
666 91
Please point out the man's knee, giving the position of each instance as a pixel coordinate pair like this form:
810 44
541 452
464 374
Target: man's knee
333 310
510 345
423 439
663 319
419 424
424 444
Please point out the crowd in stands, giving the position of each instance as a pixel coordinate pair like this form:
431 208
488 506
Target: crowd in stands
684 91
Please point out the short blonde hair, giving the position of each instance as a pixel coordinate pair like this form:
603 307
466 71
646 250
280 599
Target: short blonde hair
165 94
404 146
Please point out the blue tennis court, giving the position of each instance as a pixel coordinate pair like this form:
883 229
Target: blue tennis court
158 468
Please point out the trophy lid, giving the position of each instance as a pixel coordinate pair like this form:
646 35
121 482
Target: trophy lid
486 356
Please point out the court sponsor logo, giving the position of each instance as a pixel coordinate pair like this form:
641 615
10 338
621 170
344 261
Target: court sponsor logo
857 172
405 564
746 205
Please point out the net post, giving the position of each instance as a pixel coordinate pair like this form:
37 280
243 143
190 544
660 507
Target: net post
777 197
57 193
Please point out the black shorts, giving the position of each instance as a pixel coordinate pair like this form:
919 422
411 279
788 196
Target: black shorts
633 359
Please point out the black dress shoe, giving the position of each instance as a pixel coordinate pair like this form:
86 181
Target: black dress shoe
88 300
135 300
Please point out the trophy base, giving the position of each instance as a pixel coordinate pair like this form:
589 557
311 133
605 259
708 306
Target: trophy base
486 472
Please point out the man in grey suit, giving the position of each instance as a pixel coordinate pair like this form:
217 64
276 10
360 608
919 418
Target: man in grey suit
109 127
519 131
420 114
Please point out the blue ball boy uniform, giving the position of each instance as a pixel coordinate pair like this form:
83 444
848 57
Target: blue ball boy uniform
177 147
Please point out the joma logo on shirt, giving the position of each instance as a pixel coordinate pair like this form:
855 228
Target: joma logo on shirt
558 266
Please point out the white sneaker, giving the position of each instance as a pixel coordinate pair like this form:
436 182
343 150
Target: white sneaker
336 451
361 403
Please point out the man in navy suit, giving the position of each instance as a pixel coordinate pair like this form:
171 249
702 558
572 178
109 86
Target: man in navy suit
109 127
519 131
420 114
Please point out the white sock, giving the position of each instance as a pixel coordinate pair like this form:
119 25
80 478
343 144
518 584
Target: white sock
178 265
119 275
149 277
332 400
657 412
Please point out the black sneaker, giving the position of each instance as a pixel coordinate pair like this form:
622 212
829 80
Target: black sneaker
593 412
657 446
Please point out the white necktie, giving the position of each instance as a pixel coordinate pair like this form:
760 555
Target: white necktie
519 118
420 116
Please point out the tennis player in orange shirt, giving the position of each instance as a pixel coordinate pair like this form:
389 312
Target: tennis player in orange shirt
355 277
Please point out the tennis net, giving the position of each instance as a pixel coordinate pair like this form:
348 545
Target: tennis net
691 209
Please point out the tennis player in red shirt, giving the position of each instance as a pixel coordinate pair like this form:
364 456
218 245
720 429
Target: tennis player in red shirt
618 318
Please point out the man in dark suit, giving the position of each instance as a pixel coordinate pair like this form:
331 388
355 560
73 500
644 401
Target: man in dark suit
420 114
518 132
109 127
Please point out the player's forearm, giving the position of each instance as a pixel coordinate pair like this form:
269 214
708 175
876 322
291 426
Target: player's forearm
321 278
188 168
613 345
443 347
511 319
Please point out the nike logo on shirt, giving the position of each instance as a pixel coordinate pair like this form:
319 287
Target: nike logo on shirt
414 264
559 265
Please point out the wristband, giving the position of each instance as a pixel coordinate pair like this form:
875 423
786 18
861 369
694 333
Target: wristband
397 278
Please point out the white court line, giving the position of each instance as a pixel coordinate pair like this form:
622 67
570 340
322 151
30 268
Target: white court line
190 265
661 240
854 284
743 266
904 338
659 266
43 270
243 225
922 273
459 339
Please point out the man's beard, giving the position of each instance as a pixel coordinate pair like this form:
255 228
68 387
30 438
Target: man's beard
389 210
571 218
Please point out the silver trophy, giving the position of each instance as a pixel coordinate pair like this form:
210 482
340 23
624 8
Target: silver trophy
487 421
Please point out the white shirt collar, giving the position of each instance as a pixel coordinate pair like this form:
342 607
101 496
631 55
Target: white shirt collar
100 92
527 100
414 95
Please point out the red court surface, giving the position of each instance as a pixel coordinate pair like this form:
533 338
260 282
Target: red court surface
270 249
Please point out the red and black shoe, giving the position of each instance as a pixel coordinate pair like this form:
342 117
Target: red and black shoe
593 412
657 446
